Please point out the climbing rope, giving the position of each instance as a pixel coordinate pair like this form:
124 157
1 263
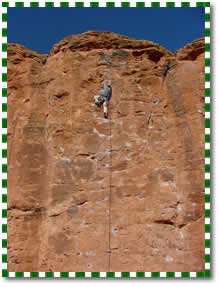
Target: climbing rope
110 184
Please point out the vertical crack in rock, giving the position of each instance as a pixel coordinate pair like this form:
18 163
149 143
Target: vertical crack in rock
12 140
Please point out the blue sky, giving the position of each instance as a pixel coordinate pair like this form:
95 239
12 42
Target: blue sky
39 29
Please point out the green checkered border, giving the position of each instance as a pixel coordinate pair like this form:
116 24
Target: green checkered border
3 52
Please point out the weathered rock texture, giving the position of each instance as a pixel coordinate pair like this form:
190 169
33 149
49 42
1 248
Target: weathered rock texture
92 194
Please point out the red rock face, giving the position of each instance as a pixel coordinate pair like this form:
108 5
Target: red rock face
92 194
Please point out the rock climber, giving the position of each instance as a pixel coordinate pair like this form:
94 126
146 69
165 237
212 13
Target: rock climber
104 98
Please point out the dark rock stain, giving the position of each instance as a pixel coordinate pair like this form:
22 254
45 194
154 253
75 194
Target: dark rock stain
62 192
84 169
72 210
59 242
167 174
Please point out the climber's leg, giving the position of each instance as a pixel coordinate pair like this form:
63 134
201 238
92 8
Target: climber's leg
105 109
98 100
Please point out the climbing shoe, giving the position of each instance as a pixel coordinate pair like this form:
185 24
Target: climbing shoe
105 115
98 104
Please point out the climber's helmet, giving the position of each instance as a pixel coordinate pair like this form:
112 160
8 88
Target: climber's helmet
108 83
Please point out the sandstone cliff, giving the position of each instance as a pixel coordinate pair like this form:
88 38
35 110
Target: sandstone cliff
92 194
